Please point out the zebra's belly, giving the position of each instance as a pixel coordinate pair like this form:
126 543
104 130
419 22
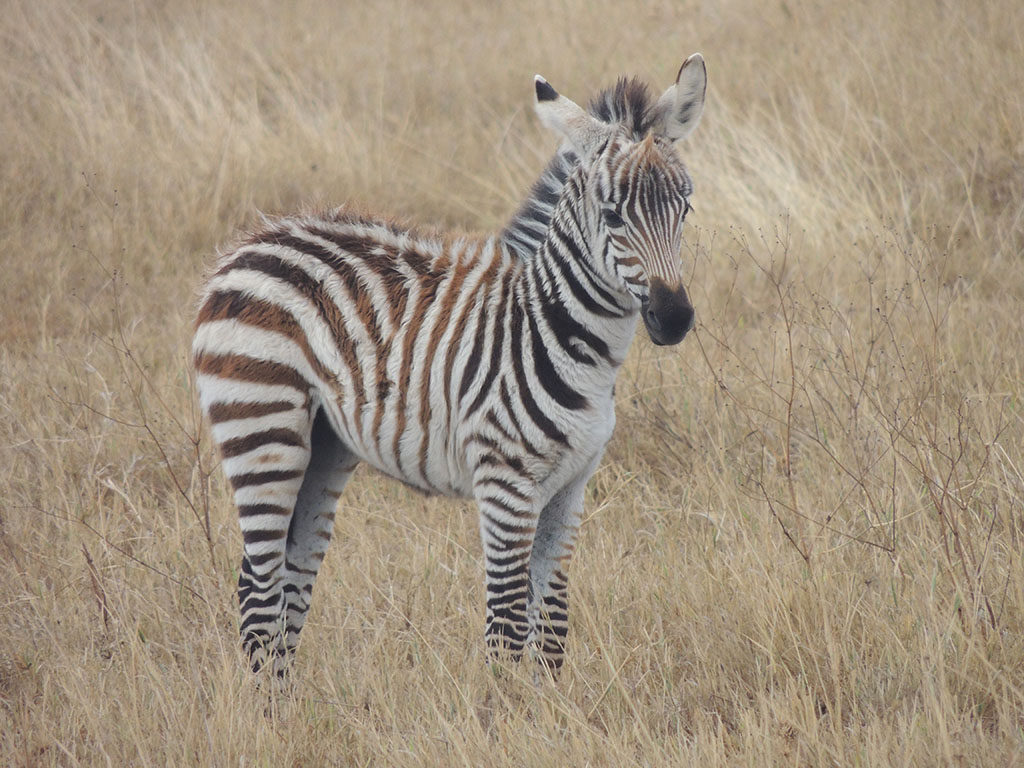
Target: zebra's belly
409 450
426 451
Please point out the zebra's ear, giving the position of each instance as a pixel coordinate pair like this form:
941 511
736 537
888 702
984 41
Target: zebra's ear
566 118
679 109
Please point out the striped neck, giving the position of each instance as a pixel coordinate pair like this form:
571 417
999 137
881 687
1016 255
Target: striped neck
526 230
569 292
627 104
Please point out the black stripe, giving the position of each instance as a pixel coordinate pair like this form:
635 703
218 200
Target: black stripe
568 276
496 348
557 618
553 384
498 459
263 535
515 585
266 557
494 527
598 284
258 618
492 419
516 512
506 400
302 571
565 328
276 267
503 604
501 562
532 409
475 355
519 572
260 601
506 486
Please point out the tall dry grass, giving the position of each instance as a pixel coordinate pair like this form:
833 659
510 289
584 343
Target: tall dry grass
805 544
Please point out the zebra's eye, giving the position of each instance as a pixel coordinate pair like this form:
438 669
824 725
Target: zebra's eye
612 219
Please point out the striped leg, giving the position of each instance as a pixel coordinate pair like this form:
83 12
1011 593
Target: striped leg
507 526
557 532
265 447
330 466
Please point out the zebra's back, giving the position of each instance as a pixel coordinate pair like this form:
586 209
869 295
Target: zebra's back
381 328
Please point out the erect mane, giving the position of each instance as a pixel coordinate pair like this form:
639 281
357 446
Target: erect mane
627 103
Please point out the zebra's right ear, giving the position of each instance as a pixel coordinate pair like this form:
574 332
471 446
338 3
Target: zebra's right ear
566 118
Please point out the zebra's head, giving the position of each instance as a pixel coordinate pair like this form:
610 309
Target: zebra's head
636 190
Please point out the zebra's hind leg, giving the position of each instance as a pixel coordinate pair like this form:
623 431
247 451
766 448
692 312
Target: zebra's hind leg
266 449
330 466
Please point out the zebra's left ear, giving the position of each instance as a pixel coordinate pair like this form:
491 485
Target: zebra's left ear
566 118
679 109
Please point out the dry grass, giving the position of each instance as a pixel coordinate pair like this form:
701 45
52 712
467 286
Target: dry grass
805 545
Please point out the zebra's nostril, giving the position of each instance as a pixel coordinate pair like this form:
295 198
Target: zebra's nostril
688 318
652 319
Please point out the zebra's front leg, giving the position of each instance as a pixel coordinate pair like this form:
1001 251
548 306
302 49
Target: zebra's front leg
508 523
557 532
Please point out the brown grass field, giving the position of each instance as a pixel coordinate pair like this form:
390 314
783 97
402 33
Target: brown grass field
805 545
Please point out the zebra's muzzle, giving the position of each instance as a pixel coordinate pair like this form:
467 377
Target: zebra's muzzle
667 313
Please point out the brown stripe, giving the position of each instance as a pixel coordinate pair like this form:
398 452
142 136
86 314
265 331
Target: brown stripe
261 478
384 385
359 294
241 445
378 256
456 284
221 412
249 510
251 369
316 293
428 291
236 305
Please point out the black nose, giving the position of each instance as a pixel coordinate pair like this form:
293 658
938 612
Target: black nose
668 314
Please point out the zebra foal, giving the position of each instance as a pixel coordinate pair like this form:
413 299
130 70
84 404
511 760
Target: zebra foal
481 368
